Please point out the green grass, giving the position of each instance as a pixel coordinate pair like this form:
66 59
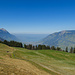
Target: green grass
54 62
1 58
6 51
51 61
31 54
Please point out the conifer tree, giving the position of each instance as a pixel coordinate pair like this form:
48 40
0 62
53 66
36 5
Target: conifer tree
39 47
53 48
48 47
74 50
66 49
71 50
58 48
43 47
25 46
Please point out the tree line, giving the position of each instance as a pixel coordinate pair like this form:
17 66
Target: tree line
41 47
37 47
44 47
12 43
72 50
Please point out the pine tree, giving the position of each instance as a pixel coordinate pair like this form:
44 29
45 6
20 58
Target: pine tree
71 50
39 47
53 48
48 47
74 50
33 47
58 48
66 49
30 46
6 42
43 47
25 46
36 47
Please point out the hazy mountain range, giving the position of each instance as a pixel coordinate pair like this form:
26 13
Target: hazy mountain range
62 39
4 34
24 38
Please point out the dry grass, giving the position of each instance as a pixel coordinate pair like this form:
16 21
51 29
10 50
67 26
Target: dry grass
19 61
10 66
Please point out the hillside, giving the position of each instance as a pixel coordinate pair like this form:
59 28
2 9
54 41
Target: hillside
51 61
20 61
4 34
62 39
11 66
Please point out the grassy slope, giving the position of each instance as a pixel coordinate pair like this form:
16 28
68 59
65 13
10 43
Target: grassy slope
10 66
48 61
4 49
54 62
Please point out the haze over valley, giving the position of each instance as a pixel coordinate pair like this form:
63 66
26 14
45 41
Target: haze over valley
30 38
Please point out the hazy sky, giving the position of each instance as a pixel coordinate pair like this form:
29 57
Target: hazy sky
37 16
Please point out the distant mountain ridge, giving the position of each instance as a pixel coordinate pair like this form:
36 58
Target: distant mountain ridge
1 39
62 39
4 34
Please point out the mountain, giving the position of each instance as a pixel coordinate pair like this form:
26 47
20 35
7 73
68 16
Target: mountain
62 39
4 34
1 39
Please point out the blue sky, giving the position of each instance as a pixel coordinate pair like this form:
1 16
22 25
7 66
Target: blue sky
37 16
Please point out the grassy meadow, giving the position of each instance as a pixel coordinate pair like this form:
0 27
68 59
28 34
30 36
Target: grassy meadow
47 62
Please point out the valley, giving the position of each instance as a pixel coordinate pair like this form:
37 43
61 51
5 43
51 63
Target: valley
37 37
